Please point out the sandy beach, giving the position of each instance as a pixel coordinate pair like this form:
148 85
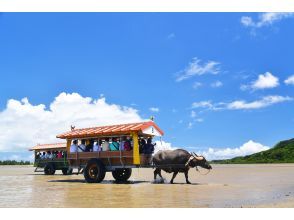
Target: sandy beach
225 187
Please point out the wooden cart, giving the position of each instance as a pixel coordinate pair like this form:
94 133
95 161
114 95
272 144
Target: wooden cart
94 165
49 166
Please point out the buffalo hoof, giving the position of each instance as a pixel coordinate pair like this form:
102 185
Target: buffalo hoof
189 182
171 182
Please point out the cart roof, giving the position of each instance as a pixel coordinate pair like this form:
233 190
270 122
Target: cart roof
148 128
45 147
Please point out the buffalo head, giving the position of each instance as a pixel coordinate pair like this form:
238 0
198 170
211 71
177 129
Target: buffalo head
199 161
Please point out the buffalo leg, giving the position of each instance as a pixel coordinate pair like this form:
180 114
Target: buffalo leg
187 178
174 176
157 171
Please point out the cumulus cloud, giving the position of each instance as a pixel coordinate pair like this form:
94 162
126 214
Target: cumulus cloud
23 125
154 109
265 19
265 81
197 68
241 104
248 148
290 80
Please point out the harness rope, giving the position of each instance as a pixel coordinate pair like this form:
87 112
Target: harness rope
202 173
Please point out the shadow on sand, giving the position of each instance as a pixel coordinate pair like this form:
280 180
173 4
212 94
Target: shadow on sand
103 182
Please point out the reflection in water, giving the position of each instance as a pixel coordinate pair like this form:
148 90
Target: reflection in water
227 186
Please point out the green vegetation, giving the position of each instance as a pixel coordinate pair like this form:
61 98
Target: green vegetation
283 152
14 162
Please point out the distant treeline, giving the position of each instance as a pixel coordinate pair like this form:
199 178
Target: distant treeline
14 162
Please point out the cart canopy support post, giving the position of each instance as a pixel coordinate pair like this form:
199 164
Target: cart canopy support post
136 153
68 143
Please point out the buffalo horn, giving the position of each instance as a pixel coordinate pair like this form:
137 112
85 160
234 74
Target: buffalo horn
198 157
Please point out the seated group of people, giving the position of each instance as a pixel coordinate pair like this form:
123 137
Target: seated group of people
114 144
50 155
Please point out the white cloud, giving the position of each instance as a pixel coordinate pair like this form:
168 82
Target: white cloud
202 104
265 19
199 120
196 85
247 21
23 125
216 84
154 109
196 67
241 104
248 148
262 103
290 80
265 81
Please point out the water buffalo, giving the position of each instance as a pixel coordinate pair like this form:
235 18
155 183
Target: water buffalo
177 161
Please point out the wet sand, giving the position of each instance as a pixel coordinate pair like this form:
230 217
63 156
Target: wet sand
226 186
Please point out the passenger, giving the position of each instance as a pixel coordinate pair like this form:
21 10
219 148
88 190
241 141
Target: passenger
122 144
64 154
38 155
74 146
82 147
59 155
43 156
142 145
89 147
97 146
149 147
49 155
114 146
105 145
128 145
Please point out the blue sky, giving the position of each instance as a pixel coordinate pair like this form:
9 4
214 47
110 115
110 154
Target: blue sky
139 60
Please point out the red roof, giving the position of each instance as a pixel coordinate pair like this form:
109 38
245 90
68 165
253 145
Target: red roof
109 130
45 147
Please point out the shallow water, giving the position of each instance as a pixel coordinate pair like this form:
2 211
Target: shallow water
225 186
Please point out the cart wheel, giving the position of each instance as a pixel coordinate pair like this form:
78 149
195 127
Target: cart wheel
49 169
94 171
122 175
67 171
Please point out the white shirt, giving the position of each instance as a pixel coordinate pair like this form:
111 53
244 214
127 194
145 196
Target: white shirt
96 148
82 147
105 146
73 148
